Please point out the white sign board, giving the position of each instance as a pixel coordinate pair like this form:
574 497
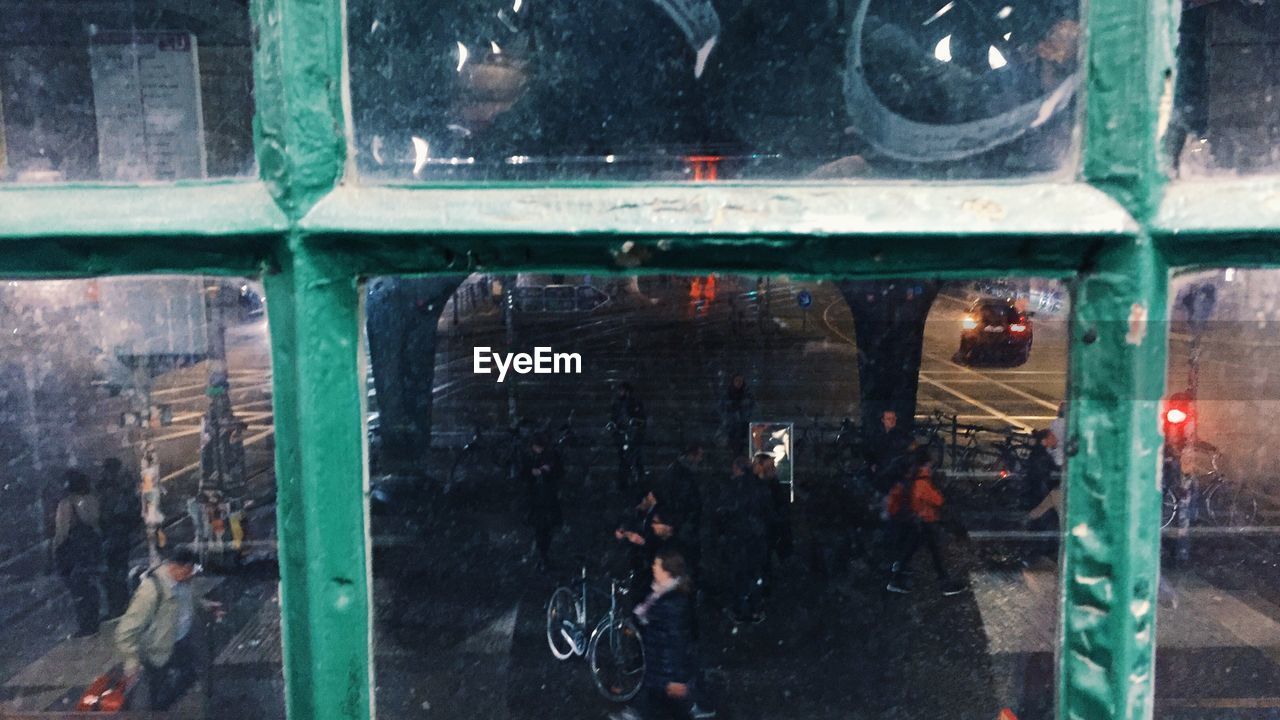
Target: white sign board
146 95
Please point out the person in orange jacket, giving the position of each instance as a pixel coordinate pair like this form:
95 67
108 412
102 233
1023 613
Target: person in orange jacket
915 509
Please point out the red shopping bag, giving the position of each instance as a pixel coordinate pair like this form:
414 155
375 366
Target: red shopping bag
108 693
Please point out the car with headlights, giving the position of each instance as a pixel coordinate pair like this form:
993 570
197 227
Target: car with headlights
994 330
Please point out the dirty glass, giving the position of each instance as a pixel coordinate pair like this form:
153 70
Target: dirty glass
533 435
125 91
1219 611
701 90
137 433
1226 118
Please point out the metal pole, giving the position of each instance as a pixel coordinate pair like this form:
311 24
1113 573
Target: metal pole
509 320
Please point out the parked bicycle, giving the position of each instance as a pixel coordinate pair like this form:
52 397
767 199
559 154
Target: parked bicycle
613 649
1207 493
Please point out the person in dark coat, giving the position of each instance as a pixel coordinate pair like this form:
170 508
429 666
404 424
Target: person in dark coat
541 470
666 630
746 514
77 548
681 500
1042 472
887 449
628 416
736 407
765 468
121 522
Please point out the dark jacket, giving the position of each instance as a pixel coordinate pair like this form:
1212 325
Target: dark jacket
542 492
738 402
1041 475
885 453
682 496
748 510
121 514
667 635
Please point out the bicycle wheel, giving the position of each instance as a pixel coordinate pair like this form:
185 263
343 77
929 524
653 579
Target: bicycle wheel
1231 506
561 621
1168 508
616 657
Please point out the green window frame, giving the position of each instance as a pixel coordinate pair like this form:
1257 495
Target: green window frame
1116 229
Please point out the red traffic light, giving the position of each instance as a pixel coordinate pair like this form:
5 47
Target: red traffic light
1179 419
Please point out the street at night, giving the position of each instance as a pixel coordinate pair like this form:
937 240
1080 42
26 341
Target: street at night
460 596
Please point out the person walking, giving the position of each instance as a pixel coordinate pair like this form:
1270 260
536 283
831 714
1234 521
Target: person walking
156 637
541 471
765 468
736 407
121 522
666 617
629 420
682 501
915 507
746 514
77 549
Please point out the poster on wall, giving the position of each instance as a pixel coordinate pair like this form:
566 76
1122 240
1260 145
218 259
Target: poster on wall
146 95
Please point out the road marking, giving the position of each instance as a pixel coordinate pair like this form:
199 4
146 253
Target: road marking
193 466
1010 419
976 403
234 388
1016 391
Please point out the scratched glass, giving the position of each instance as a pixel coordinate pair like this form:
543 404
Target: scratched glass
1226 118
145 90
136 428
1219 612
703 90
531 435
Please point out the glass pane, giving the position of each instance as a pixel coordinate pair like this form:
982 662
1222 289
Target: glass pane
138 438
1227 105
677 90
125 91
724 418
1219 622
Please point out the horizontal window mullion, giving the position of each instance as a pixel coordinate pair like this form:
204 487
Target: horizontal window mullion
890 209
961 257
202 210
1242 206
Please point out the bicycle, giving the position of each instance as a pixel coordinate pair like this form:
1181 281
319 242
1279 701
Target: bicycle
614 651
501 452
1224 502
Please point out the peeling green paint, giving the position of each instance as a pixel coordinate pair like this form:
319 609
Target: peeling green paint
320 472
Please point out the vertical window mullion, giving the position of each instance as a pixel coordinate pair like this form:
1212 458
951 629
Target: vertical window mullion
1112 525
1118 351
315 320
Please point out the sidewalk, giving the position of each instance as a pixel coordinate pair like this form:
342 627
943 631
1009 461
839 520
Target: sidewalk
50 675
